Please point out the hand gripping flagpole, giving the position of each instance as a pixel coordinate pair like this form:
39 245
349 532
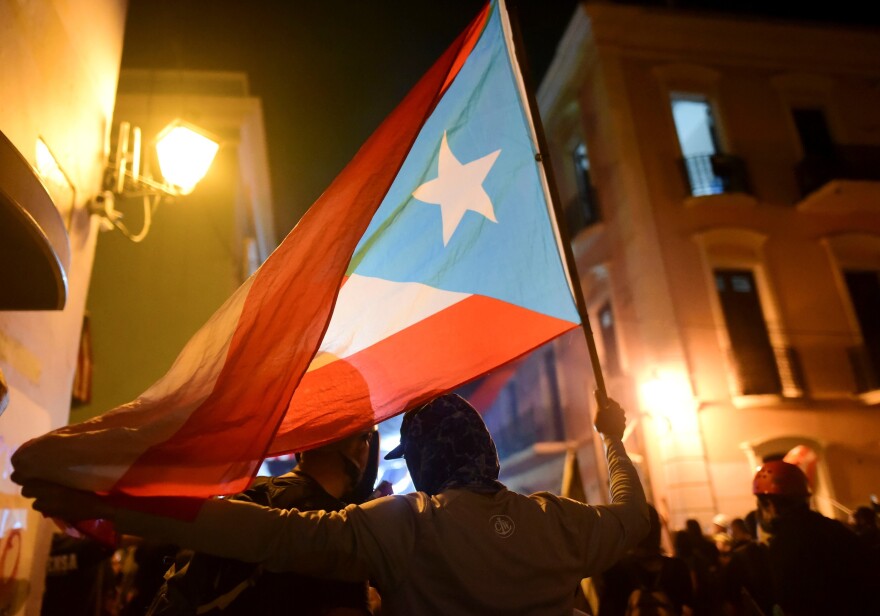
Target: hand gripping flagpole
543 158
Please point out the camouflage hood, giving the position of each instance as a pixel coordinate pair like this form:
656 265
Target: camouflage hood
446 445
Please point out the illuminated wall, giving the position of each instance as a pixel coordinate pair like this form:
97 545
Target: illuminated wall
60 63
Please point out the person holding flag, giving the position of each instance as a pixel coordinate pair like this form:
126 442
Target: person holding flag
463 544
434 257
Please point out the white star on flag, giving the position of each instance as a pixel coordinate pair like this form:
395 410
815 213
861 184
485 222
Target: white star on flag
458 188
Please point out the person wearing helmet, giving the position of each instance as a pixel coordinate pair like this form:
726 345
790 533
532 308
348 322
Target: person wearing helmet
815 563
463 544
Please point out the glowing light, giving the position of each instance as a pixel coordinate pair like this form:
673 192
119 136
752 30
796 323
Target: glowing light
669 395
185 155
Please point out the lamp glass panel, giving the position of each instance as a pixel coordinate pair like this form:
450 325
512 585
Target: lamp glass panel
184 157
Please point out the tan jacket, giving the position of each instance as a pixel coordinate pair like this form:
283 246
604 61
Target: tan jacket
455 553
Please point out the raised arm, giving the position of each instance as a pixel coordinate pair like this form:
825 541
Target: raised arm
624 522
345 545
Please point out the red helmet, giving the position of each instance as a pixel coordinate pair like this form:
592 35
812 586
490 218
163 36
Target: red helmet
778 477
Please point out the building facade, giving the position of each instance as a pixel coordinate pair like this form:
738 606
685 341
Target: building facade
721 182
58 73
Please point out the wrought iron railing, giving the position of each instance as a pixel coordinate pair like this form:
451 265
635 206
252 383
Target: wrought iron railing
714 174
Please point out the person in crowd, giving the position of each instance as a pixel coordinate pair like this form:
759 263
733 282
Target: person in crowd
739 533
864 525
647 581
463 544
325 478
80 580
751 521
143 566
720 525
746 581
720 535
705 565
816 564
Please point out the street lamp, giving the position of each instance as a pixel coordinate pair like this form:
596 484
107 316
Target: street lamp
185 153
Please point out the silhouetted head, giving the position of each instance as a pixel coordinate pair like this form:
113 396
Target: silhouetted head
651 543
694 529
355 453
446 445
864 520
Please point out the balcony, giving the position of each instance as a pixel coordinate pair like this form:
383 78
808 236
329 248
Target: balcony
715 174
847 180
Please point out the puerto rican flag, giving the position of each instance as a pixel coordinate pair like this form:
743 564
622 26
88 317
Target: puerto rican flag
430 260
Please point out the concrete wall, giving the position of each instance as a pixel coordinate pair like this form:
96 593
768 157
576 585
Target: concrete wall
59 63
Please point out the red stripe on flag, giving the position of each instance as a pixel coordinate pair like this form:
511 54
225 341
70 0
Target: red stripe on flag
411 367
485 395
472 35
220 446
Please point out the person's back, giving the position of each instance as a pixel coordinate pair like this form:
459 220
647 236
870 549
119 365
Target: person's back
228 587
747 580
817 565
510 553
280 594
78 577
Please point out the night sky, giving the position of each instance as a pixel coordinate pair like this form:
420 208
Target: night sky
329 71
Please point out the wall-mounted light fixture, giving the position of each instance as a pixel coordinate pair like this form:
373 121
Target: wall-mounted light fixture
185 153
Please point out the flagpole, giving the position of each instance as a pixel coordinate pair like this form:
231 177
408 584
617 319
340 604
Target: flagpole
543 158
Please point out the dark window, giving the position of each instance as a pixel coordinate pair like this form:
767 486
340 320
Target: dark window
813 131
553 398
583 211
752 353
609 340
864 290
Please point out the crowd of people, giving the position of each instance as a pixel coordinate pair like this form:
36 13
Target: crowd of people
317 541
781 558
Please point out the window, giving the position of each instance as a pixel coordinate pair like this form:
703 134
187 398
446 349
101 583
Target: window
820 163
708 171
751 351
815 136
864 291
583 211
609 340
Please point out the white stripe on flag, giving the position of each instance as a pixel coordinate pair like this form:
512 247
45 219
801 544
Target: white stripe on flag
371 309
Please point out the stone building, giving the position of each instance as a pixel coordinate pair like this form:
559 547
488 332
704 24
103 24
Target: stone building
720 178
